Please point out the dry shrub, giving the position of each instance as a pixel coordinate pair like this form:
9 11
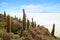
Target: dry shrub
37 37
25 33
33 33
0 34
16 36
38 31
30 37
11 35
6 36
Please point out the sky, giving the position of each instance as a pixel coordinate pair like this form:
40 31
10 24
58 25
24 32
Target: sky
44 12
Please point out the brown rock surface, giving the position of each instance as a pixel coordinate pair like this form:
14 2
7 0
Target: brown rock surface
39 33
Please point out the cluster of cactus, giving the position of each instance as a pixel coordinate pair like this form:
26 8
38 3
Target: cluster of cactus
33 23
26 25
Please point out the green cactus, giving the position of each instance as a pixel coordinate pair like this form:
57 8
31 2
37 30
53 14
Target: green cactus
32 23
28 24
24 20
8 24
4 16
52 33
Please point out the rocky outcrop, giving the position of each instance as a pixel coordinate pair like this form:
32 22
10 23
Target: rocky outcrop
38 33
15 27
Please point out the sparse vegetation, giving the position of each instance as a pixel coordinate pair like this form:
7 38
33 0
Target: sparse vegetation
6 36
17 29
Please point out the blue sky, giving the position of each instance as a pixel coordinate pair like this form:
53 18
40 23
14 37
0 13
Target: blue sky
44 12
31 6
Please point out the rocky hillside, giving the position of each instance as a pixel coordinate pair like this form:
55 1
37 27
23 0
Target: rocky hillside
38 33
25 30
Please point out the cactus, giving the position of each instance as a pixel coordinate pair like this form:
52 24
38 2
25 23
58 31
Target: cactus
52 33
38 25
28 24
24 20
32 23
8 24
21 33
4 16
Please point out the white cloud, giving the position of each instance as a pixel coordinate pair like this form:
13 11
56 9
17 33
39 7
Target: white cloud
42 8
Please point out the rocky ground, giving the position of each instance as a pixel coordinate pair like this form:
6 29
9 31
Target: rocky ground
38 33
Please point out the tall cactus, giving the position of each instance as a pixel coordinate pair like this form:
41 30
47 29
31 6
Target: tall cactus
28 23
4 16
15 16
24 20
32 23
8 24
52 33
38 25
